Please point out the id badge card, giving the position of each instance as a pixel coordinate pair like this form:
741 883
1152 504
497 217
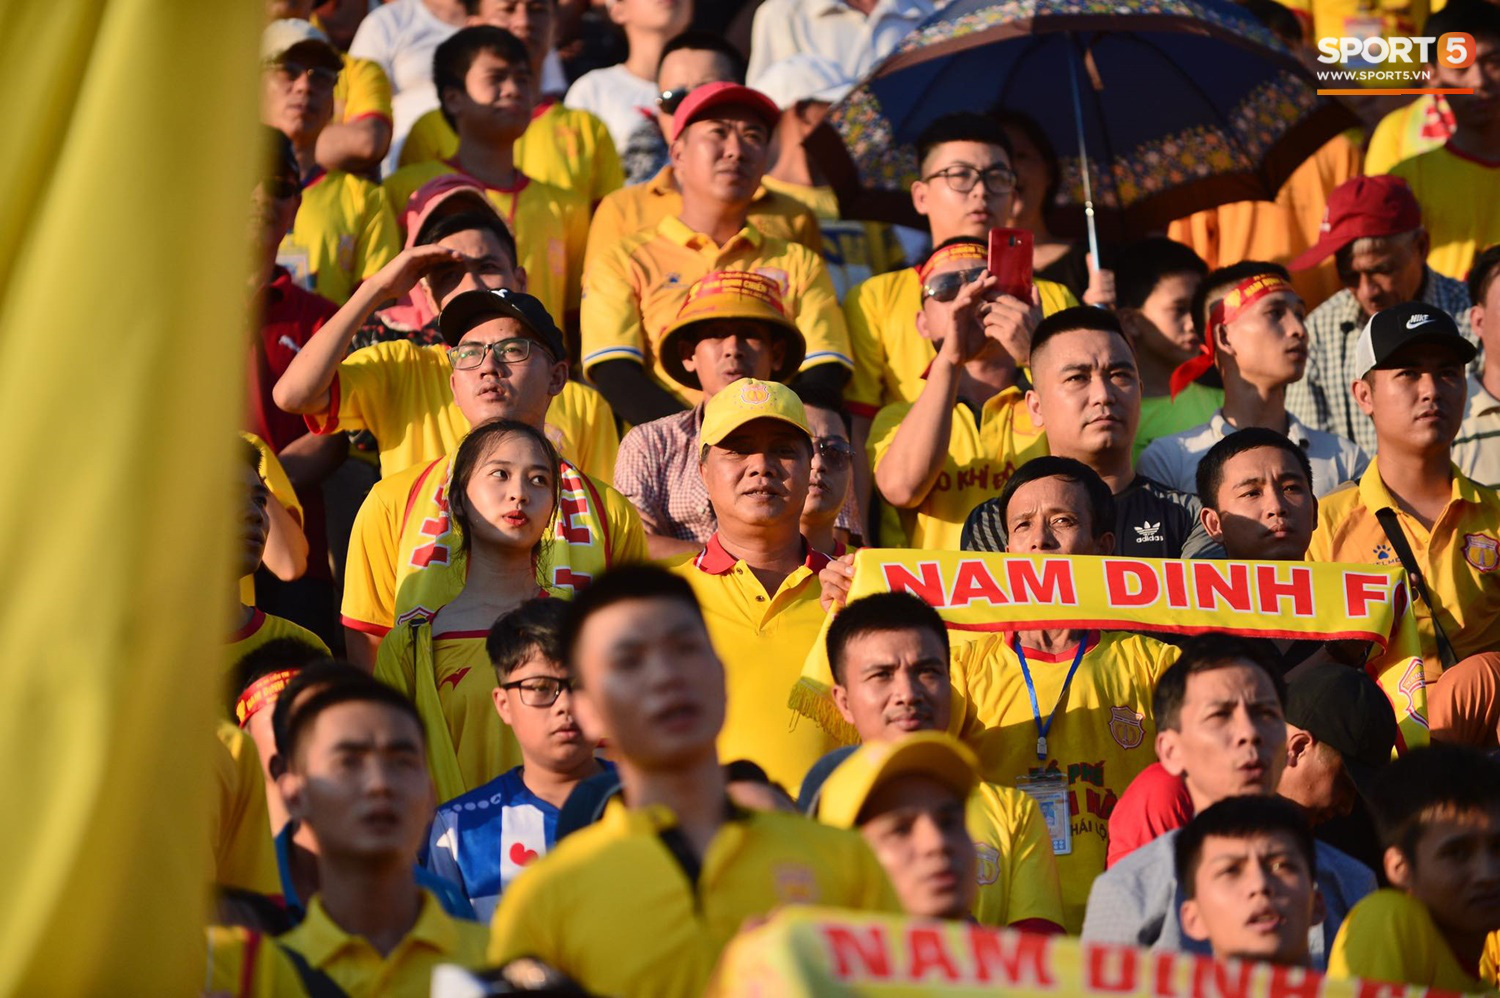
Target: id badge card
1051 795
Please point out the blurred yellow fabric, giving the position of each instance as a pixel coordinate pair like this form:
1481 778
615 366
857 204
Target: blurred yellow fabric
129 161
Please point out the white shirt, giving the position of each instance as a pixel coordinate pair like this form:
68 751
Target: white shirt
615 96
1173 460
1477 449
833 30
402 36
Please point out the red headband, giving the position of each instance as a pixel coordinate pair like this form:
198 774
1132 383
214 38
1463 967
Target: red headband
955 251
261 694
1220 313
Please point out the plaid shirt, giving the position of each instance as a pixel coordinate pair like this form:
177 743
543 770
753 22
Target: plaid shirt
657 470
1322 398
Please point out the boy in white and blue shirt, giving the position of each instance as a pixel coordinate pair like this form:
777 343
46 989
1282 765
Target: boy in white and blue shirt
484 838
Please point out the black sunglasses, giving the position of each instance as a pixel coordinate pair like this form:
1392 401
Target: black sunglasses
670 100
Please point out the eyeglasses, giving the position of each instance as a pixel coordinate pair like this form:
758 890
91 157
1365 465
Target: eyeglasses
467 356
998 179
670 100
835 452
291 70
540 691
944 287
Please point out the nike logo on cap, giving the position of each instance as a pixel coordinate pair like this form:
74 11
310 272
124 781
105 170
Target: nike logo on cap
1420 319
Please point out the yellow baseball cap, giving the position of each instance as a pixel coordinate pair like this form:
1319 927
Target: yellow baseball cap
932 754
745 401
732 294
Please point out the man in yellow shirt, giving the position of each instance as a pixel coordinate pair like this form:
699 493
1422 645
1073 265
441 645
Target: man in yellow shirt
1247 870
965 189
689 61
1410 364
399 553
355 775
1084 695
643 902
485 82
1454 181
402 392
562 146
636 288
344 230
906 797
889 657
358 137
937 458
757 577
1438 812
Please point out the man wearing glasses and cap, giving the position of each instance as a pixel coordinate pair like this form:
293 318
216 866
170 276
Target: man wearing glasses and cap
635 289
937 458
732 326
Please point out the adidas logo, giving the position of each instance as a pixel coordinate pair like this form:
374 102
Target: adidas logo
1148 532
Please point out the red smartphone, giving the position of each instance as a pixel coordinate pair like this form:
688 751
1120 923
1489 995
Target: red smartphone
1010 261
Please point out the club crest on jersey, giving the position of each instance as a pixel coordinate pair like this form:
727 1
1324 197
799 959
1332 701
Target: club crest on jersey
1126 727
1482 551
795 884
776 274
988 868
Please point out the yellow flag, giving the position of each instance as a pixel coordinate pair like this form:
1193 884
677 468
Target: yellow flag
129 161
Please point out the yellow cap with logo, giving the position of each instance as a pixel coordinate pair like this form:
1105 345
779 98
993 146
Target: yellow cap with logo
933 754
745 401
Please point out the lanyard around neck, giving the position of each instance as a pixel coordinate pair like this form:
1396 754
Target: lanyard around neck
1042 727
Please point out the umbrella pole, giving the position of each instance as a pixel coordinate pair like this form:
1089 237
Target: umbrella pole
1083 155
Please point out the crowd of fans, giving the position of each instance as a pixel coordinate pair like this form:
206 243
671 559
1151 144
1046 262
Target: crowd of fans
571 401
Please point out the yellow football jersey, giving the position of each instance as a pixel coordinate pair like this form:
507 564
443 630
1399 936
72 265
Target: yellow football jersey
344 232
1390 936
611 907
635 290
403 547
551 226
890 355
1100 737
632 210
359 969
363 91
563 146
263 628
853 251
1017 872
980 460
244 856
762 638
450 679
1460 224
1458 559
401 393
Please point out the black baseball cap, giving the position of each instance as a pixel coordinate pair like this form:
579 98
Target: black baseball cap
1344 708
469 309
1402 325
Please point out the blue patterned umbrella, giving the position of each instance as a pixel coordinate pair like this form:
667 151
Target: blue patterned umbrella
1156 108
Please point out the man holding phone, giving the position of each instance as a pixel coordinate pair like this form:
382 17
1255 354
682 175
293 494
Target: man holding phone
968 182
938 457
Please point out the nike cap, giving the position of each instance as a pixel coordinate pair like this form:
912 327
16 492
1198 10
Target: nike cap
1398 327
